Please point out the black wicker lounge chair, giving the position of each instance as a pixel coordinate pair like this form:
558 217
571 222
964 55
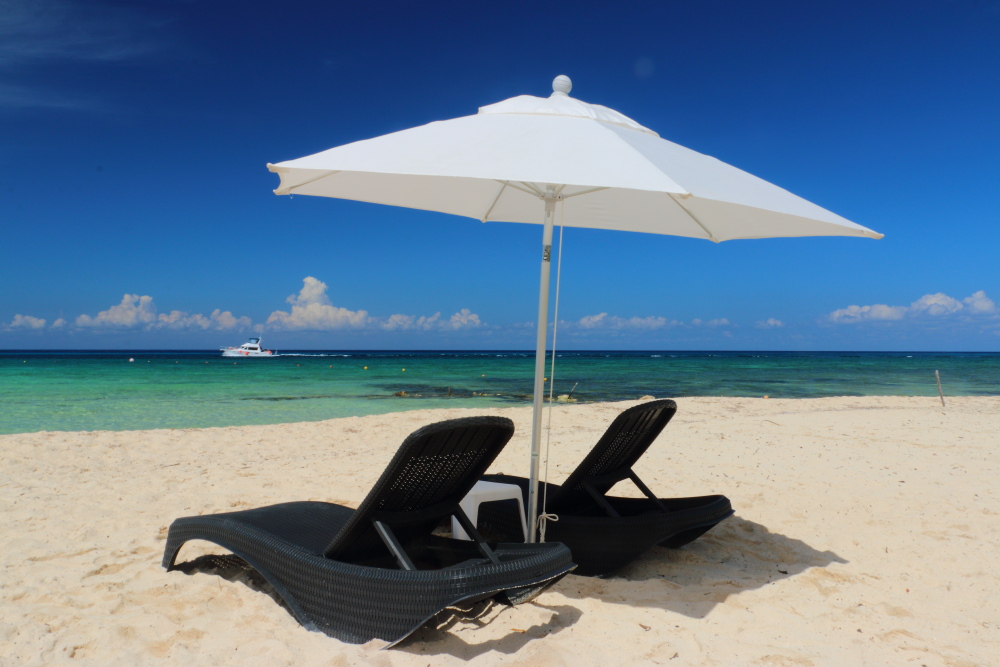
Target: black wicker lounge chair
378 571
606 533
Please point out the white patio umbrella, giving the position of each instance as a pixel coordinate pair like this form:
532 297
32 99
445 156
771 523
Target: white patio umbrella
516 160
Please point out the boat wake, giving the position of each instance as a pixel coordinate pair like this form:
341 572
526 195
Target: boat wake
303 354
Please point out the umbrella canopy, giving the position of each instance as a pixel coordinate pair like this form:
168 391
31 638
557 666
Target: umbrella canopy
496 165
516 160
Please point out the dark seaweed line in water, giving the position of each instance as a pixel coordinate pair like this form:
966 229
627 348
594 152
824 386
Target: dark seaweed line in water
399 394
286 398
513 398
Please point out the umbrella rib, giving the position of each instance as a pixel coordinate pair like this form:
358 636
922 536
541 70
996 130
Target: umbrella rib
525 190
691 215
534 188
585 192
503 186
311 180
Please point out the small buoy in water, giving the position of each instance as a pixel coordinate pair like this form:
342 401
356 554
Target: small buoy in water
484 374
331 366
366 368
130 360
404 370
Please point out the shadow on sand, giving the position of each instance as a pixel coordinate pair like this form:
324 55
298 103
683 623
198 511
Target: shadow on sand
232 568
439 637
735 556
436 636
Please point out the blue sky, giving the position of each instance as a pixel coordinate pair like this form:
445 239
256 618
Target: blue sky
136 210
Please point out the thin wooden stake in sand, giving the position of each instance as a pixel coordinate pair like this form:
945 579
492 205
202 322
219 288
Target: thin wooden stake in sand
937 374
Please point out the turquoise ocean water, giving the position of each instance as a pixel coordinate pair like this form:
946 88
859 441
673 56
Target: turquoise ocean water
90 390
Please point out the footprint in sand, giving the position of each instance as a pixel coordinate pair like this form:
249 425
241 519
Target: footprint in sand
110 568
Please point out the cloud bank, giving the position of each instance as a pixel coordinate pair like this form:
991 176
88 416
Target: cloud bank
27 322
603 321
139 312
938 305
717 322
312 311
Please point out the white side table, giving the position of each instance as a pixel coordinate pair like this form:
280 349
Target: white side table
484 492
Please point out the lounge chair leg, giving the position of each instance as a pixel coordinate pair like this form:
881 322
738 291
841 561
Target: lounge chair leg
645 489
472 532
394 546
601 500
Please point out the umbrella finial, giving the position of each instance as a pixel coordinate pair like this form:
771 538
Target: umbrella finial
561 84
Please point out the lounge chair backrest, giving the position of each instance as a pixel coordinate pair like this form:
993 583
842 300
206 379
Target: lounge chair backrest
628 438
435 467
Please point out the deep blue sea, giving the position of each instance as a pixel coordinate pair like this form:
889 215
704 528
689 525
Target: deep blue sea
142 389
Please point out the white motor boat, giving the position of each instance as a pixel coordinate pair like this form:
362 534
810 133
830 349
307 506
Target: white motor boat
251 348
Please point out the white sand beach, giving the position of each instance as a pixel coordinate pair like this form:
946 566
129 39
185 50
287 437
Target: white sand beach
867 531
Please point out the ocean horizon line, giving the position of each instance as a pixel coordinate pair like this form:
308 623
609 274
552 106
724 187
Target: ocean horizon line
485 351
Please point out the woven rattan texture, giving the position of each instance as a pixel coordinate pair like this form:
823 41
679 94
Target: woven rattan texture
434 465
626 440
355 602
600 543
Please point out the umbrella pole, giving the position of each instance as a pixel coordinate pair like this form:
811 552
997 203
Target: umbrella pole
540 345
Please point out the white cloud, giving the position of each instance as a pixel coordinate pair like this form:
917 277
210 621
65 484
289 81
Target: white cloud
936 304
930 305
219 320
603 321
980 303
592 321
879 311
464 319
770 323
224 319
59 323
27 322
311 309
134 310
408 322
177 319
